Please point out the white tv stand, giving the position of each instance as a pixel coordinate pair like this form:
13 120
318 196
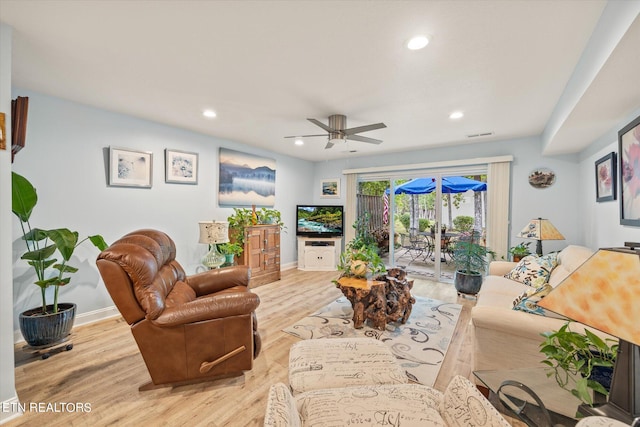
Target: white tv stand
319 253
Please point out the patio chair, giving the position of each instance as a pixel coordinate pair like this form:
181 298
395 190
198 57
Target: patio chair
431 245
414 245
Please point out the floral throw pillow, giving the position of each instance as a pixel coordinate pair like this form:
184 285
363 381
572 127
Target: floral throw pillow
533 270
528 302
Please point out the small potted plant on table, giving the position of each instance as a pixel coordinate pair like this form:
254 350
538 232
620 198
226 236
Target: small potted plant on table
580 361
230 250
520 251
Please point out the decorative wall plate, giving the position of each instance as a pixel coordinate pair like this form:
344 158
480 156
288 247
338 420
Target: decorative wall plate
542 178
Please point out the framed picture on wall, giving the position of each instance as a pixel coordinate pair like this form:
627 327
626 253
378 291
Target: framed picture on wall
246 179
629 153
330 188
606 178
181 167
130 168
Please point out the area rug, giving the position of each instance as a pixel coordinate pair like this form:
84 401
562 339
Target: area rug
420 345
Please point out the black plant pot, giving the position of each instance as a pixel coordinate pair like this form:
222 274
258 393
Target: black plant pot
602 375
41 330
467 283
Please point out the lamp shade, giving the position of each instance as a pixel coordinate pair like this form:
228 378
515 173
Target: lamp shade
603 293
540 229
214 232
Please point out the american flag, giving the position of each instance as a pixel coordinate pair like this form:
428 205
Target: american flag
385 211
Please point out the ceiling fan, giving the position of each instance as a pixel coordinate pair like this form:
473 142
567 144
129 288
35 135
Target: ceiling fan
338 131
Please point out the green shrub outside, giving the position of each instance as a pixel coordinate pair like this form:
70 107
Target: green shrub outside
405 219
424 224
463 223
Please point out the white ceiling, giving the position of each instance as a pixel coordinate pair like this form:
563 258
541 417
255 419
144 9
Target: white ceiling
266 66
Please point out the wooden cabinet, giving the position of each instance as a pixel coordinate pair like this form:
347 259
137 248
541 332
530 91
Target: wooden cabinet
262 253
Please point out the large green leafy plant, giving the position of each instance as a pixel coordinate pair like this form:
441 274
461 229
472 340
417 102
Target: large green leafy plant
469 256
574 357
45 246
361 258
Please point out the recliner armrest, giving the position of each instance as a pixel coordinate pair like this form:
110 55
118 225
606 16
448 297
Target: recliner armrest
209 282
207 308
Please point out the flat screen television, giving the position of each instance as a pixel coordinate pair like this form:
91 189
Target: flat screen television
319 220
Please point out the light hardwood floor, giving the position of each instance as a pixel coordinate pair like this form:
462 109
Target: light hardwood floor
105 368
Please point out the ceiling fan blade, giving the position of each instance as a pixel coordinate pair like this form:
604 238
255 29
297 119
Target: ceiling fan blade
304 136
363 139
322 125
366 128
329 145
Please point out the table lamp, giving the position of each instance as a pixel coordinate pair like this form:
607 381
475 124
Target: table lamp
540 229
604 293
213 233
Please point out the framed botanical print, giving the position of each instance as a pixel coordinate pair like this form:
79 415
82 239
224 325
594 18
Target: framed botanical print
130 168
606 178
181 167
629 153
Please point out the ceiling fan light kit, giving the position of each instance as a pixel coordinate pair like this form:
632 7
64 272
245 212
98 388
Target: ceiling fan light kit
338 131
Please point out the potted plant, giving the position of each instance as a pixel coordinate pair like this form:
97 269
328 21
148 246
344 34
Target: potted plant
244 217
270 216
48 252
241 218
361 257
361 262
580 361
470 261
230 250
520 251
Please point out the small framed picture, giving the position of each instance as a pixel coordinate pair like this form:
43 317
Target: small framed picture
130 168
330 188
606 178
181 167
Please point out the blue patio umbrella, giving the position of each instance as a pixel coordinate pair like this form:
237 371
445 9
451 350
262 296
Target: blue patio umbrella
450 184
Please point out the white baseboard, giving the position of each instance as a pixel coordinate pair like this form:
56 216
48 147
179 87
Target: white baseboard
10 410
289 266
81 319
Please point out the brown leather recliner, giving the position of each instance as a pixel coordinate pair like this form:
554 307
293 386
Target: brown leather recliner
188 329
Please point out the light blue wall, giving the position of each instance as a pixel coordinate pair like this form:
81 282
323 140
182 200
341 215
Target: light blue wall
65 158
557 203
600 222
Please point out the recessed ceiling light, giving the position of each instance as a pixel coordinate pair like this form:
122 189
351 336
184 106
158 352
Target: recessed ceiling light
418 42
210 114
299 141
456 115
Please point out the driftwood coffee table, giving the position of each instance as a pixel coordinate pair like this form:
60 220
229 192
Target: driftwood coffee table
381 301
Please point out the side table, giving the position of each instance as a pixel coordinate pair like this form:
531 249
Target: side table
555 407
381 301
368 300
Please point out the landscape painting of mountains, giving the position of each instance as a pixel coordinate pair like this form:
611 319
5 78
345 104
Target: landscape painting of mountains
246 179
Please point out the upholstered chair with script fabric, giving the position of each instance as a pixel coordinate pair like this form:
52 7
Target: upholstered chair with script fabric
188 328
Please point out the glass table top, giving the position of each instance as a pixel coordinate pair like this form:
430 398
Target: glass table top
561 403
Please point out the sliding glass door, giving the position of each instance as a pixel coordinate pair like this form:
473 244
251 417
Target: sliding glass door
416 218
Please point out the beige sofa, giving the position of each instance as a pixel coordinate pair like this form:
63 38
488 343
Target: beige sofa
504 338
